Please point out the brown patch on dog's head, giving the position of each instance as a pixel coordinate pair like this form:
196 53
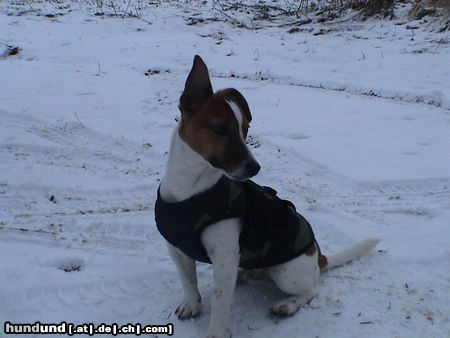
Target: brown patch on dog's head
215 124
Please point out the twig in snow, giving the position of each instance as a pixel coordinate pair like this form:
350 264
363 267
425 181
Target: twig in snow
222 10
78 119
296 23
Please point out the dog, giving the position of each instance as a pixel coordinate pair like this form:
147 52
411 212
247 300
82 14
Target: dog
208 154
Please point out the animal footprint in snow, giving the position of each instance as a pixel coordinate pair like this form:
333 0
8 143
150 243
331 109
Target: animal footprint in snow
70 264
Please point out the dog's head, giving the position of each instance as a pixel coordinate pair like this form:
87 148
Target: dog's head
215 125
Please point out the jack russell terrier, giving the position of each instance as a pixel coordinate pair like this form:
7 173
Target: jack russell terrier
209 211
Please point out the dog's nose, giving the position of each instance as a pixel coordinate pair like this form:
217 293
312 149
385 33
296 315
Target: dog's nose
252 168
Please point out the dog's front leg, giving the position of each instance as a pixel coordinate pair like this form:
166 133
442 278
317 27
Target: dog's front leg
221 241
190 307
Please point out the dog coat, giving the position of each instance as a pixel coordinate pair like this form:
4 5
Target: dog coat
272 230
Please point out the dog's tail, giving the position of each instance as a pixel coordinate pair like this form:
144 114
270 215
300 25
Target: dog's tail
351 253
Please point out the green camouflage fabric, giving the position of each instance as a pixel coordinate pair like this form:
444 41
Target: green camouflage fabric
273 232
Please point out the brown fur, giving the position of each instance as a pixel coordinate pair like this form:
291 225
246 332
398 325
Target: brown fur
322 259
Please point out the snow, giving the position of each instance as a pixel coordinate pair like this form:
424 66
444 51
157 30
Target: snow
352 126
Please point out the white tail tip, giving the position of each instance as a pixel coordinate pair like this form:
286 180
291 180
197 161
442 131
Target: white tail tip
351 253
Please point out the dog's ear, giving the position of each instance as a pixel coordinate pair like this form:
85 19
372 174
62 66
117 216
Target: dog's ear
236 96
197 88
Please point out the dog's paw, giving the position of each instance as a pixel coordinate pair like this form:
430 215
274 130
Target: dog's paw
188 310
290 305
286 307
282 311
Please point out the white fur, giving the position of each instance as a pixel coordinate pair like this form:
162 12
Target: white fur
187 174
221 241
241 171
351 253
238 114
298 278
190 307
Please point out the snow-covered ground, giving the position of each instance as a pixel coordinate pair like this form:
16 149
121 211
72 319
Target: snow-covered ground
353 126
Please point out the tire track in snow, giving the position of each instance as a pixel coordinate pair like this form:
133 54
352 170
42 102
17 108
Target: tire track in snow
71 145
397 196
431 99
125 224
119 217
320 187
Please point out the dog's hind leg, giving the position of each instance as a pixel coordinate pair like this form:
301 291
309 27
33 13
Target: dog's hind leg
190 307
297 278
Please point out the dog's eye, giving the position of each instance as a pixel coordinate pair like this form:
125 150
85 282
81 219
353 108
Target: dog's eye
220 129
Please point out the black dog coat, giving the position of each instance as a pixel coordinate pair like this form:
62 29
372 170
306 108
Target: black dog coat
272 230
